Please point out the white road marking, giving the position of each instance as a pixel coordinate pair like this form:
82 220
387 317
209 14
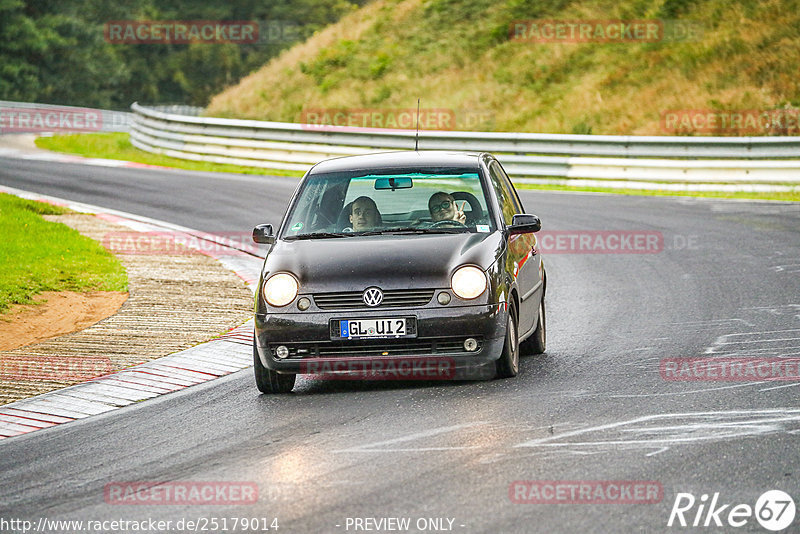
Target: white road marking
790 268
372 447
711 426
774 342
676 393
780 387
711 322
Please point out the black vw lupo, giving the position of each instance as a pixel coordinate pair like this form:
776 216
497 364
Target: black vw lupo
399 265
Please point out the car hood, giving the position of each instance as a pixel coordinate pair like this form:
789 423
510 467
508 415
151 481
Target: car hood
388 261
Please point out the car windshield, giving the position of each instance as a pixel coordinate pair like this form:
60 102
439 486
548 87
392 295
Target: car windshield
339 205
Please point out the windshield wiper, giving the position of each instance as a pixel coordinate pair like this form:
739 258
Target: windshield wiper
414 230
318 235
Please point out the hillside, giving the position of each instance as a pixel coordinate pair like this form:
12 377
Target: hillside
458 55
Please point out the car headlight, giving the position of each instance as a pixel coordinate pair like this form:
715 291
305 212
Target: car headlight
468 282
280 289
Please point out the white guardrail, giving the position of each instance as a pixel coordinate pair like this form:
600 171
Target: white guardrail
291 146
22 117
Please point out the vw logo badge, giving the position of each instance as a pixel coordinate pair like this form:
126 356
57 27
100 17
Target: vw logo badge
373 297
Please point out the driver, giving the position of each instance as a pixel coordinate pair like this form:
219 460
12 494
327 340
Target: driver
443 208
364 214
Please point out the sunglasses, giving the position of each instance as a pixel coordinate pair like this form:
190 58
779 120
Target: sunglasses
436 208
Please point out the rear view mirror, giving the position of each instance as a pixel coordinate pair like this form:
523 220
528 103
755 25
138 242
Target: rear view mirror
394 183
263 234
524 224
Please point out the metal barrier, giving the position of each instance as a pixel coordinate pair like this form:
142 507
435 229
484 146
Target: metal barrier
290 146
609 160
28 116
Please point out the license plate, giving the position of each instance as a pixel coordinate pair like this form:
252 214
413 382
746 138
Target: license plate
396 327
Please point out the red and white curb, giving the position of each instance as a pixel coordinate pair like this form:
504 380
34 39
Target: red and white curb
227 354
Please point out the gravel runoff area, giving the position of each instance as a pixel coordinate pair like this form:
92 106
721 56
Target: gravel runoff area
177 300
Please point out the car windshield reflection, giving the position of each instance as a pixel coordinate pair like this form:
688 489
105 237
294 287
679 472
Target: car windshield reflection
414 201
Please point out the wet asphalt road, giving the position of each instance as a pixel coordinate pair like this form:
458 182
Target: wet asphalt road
594 407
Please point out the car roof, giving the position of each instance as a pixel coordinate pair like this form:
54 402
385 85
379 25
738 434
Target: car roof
400 159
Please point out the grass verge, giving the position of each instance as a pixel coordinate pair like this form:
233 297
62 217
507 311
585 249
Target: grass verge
118 146
789 196
40 255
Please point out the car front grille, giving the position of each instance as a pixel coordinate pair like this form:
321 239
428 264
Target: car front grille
392 298
379 348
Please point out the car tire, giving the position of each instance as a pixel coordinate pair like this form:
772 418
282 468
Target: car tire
537 343
508 364
269 381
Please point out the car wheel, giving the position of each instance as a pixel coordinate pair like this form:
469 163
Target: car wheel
267 380
536 344
508 364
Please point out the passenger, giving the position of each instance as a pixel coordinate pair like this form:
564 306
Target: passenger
364 215
443 208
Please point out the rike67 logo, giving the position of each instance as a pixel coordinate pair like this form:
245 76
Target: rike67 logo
774 510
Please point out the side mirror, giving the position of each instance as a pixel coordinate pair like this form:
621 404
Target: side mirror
263 234
524 224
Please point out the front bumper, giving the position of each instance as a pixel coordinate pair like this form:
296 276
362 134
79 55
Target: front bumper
436 353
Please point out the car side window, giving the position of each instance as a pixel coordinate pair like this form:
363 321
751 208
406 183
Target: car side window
509 203
510 187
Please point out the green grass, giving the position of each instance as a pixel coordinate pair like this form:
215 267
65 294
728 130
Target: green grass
118 146
37 255
793 197
391 52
